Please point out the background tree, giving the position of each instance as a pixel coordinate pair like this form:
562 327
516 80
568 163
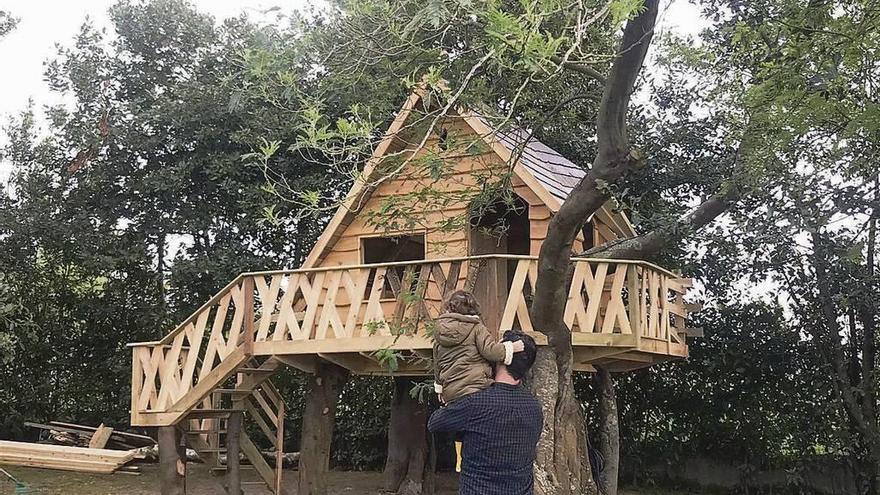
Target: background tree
133 206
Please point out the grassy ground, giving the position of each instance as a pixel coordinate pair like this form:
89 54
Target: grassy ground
200 482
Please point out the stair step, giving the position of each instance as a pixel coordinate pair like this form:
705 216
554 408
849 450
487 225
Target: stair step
255 370
207 413
216 451
239 391
253 483
247 467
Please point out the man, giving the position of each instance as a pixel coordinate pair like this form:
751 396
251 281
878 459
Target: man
499 428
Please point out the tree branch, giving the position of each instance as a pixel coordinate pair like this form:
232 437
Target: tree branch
650 243
583 69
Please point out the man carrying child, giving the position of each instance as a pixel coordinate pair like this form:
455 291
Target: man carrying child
498 421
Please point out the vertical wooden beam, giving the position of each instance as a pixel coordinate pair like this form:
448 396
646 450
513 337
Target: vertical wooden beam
137 383
172 461
319 420
233 450
279 448
247 286
633 287
490 290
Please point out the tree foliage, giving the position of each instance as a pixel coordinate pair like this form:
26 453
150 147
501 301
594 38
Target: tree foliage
133 205
193 149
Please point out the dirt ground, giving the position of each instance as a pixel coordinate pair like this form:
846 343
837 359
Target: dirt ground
199 482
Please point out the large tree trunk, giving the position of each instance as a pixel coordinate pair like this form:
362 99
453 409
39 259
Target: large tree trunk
407 442
319 419
172 461
828 334
562 464
609 432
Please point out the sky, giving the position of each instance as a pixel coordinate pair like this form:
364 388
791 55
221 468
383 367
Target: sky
46 23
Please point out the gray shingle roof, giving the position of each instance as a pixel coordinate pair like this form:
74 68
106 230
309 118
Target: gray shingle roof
556 173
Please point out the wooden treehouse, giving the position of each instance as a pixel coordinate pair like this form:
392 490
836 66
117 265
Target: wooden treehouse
370 286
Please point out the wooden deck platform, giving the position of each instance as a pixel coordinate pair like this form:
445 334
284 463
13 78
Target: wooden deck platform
623 315
218 363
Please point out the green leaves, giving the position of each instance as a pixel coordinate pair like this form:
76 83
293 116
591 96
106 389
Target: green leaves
389 359
624 10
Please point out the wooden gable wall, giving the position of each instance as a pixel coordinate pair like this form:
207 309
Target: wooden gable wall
441 243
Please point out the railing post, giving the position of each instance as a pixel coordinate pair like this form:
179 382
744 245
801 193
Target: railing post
279 448
247 287
490 286
634 287
137 384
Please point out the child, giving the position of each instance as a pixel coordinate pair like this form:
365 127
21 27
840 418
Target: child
464 350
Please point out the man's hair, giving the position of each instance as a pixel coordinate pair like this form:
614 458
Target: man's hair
522 361
462 302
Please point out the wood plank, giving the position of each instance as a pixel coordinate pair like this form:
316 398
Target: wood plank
100 437
254 414
303 363
226 368
356 344
279 449
255 457
124 435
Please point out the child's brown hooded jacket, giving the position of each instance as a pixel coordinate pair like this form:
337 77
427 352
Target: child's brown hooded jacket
463 352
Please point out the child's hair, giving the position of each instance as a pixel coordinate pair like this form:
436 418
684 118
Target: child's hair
462 302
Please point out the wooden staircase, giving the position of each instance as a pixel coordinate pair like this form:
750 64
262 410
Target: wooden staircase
253 395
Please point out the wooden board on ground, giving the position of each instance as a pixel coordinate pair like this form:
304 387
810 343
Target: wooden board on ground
82 435
63 457
100 437
132 438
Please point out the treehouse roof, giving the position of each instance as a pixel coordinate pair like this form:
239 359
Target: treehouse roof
556 173
545 171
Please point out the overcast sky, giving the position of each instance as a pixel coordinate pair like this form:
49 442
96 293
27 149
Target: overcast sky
44 23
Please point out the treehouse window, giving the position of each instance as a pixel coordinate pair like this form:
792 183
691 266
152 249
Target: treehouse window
392 250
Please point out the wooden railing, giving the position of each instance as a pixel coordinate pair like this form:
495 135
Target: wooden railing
325 310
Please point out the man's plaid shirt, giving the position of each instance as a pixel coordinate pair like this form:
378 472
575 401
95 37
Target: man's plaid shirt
499 428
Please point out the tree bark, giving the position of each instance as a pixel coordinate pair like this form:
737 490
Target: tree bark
650 243
406 465
319 420
562 464
609 431
233 449
172 461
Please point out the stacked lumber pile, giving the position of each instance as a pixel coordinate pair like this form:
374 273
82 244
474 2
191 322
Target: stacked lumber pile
90 436
63 457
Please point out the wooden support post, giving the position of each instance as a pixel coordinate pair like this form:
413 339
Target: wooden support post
233 450
490 289
137 383
406 467
635 296
279 448
319 419
247 286
172 461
